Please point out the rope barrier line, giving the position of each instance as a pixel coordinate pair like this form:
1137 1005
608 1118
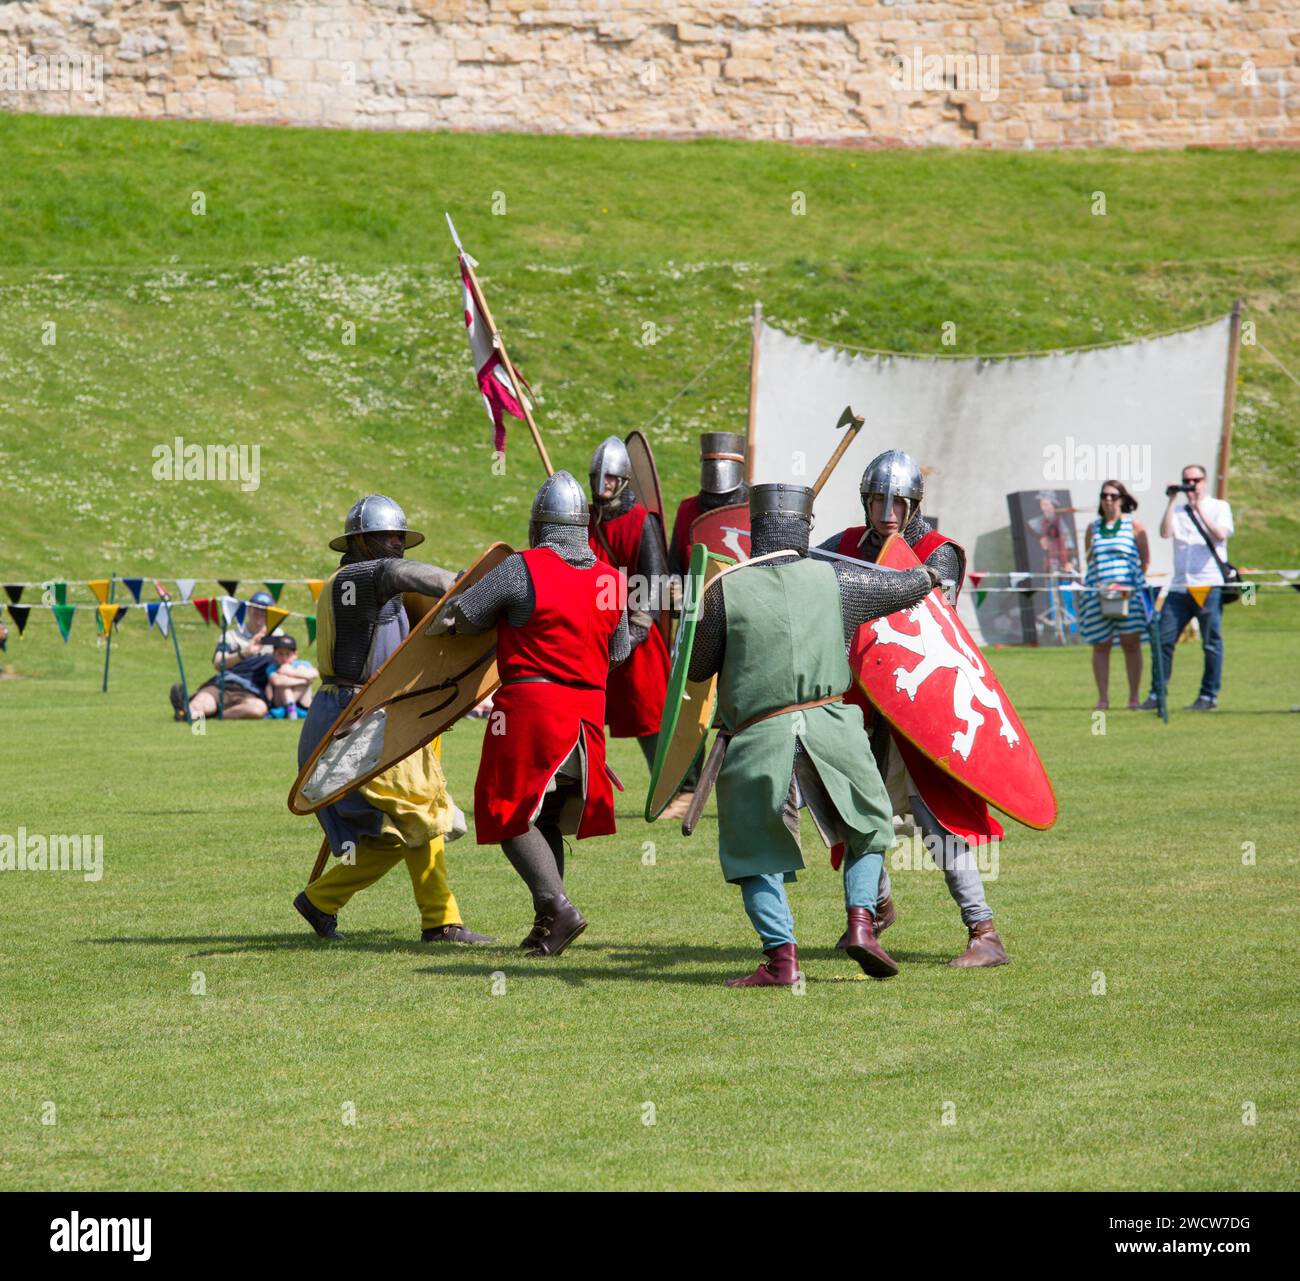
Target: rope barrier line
678 395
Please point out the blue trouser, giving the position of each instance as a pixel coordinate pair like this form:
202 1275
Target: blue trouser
1179 610
769 909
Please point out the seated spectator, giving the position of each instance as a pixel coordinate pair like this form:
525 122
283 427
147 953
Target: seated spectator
240 660
289 679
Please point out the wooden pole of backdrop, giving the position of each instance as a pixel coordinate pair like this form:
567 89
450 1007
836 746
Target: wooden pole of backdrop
499 344
756 332
1229 402
321 859
108 631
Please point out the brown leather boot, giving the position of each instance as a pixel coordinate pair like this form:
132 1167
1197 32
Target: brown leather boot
886 914
781 969
984 948
558 924
862 946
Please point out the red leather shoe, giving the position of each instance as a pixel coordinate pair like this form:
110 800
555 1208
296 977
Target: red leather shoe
781 969
861 944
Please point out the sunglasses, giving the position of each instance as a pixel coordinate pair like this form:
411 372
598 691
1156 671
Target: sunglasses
1106 493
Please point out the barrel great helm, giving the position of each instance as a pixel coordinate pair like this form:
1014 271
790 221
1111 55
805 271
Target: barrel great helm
610 459
780 518
722 461
893 474
376 514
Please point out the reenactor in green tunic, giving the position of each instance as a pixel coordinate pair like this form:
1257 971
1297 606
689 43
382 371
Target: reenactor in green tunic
775 631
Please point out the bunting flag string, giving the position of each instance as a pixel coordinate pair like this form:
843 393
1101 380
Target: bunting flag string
185 586
231 585
314 585
19 614
14 591
100 587
274 617
275 588
133 585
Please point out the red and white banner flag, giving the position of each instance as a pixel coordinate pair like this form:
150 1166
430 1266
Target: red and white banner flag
493 382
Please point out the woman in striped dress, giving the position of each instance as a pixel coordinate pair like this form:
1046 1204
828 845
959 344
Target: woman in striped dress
1116 548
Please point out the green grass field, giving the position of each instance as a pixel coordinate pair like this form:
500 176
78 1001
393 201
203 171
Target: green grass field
1142 880
228 327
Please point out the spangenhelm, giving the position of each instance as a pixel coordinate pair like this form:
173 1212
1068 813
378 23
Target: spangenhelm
560 501
722 461
610 459
376 514
893 474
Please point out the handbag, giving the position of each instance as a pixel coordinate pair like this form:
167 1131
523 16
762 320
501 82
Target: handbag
1229 572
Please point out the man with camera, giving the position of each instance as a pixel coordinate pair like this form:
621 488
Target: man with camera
1200 527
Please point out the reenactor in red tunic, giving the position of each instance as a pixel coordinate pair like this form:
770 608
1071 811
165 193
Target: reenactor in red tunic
627 537
561 621
722 484
892 489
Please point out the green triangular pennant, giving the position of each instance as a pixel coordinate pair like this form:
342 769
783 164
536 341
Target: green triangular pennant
63 616
311 629
275 589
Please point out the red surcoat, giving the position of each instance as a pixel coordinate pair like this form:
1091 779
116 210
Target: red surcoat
634 696
956 807
566 641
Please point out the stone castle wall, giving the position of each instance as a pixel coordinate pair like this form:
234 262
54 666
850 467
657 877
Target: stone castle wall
1132 73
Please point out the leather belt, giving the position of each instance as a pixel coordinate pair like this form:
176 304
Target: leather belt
547 680
717 754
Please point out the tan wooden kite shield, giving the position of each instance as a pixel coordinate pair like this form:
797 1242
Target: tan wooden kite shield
645 485
427 684
925 675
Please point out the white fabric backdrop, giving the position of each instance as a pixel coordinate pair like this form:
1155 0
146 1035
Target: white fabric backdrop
1140 411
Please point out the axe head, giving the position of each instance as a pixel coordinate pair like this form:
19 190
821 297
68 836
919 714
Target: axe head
849 419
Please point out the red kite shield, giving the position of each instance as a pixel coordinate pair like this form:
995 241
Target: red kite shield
724 531
927 678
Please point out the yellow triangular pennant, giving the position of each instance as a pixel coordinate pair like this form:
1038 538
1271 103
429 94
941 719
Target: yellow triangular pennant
274 617
1198 594
107 614
100 587
315 584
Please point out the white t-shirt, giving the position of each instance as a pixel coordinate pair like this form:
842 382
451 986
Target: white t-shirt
1193 564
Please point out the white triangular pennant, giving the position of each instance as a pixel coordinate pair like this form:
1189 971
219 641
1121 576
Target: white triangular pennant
229 608
185 586
163 618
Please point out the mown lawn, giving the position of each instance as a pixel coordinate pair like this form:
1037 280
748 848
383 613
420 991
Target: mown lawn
230 326
1142 886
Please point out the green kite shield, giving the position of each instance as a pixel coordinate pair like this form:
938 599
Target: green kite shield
689 707
427 684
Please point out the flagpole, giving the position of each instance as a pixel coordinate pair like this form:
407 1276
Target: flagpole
499 343
108 652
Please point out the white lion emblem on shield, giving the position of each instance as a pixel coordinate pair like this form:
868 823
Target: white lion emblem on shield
937 653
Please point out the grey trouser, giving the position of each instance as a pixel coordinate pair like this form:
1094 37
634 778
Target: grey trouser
955 858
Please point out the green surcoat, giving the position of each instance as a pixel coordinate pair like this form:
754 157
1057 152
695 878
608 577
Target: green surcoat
785 645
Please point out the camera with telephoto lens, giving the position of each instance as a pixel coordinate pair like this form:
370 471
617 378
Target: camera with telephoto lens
1185 488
